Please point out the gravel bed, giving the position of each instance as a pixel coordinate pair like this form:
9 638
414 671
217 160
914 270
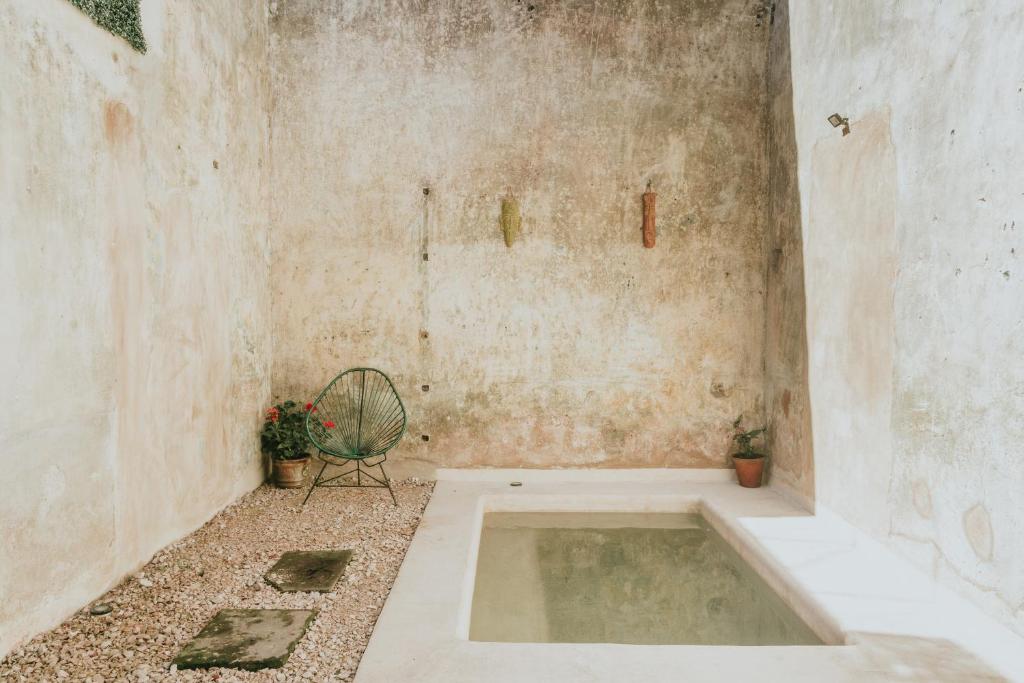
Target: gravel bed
160 608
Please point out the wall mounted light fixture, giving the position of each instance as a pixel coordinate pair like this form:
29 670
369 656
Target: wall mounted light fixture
836 120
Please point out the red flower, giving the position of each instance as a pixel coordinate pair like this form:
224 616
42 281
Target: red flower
329 424
309 407
273 414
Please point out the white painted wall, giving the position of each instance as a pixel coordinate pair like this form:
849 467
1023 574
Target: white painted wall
914 279
134 288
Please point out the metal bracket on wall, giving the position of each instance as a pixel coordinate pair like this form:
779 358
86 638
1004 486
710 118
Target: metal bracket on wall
836 120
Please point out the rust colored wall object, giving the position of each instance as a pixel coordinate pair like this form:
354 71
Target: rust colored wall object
648 228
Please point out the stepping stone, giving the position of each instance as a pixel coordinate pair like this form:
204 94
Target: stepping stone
248 639
303 571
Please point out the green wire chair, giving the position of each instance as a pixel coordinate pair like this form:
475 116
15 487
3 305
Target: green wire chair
357 418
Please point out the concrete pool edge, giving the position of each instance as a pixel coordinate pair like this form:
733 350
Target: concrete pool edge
847 590
800 602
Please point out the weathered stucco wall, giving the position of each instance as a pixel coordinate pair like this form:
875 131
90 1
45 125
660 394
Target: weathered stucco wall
915 293
576 346
787 402
134 273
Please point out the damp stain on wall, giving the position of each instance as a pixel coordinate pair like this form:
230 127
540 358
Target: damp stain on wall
584 348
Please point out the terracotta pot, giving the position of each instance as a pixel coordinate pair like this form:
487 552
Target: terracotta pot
290 474
749 471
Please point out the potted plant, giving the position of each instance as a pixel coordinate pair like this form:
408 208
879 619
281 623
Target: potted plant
749 464
284 437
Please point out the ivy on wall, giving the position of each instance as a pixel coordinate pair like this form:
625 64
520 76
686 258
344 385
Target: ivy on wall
120 17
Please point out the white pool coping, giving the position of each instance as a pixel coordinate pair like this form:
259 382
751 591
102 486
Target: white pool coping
882 618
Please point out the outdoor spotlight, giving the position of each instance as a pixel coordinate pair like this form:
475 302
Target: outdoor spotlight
836 120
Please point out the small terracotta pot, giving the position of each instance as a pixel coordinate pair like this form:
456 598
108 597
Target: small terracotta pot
290 474
749 471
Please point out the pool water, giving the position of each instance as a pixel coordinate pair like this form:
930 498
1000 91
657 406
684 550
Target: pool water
656 579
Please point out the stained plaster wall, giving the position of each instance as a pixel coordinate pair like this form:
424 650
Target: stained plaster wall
134 289
915 290
576 347
787 401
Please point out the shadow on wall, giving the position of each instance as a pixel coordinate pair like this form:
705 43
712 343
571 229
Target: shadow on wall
787 402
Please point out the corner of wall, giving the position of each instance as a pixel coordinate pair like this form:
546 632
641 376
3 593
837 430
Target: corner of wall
787 401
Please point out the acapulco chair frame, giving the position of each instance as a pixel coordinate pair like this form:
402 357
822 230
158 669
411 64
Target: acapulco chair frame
371 421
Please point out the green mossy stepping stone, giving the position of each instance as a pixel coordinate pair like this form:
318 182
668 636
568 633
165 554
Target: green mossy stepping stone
303 571
248 639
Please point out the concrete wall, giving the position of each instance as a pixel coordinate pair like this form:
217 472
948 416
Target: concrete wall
787 401
576 346
912 243
134 289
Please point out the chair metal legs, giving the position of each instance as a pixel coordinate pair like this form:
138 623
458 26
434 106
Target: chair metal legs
314 485
387 482
359 471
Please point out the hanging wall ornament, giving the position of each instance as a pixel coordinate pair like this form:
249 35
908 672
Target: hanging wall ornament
511 222
648 227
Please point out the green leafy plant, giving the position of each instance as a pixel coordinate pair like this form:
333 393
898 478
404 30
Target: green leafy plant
284 434
120 17
745 439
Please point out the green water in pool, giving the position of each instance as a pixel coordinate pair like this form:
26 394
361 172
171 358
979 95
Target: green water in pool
653 578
